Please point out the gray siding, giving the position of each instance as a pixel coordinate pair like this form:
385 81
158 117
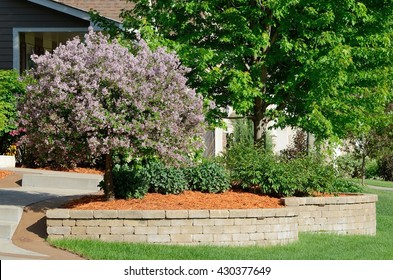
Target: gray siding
24 14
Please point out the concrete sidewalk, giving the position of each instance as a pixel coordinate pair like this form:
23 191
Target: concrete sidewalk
15 196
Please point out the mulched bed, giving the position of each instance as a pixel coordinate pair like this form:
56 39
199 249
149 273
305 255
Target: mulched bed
188 200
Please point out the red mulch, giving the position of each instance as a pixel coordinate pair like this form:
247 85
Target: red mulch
187 200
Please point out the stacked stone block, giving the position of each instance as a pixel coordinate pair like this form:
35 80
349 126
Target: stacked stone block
222 227
351 214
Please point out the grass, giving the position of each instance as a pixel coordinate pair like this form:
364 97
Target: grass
309 246
373 182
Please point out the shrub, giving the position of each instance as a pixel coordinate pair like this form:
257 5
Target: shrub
372 169
163 179
385 165
247 165
10 88
348 166
129 182
278 176
93 97
208 177
343 186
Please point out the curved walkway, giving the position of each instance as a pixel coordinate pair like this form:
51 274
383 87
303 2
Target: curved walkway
22 215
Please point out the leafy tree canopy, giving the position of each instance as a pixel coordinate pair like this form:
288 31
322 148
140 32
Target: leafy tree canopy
324 66
10 88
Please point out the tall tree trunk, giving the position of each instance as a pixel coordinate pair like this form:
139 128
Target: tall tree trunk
260 106
108 179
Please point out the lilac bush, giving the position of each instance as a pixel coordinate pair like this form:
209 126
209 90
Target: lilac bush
94 97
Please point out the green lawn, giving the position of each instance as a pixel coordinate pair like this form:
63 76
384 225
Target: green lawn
372 182
309 246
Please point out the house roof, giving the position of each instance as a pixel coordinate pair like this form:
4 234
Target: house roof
108 8
63 8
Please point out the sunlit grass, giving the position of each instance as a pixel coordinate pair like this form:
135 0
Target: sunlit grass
373 182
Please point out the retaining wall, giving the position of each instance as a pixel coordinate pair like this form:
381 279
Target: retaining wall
342 215
223 227
351 214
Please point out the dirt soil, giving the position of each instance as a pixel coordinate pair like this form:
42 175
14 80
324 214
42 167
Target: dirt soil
232 199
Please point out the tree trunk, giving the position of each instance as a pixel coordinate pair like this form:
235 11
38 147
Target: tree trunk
260 106
108 179
363 168
259 129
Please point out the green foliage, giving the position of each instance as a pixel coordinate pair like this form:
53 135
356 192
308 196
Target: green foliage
278 176
385 165
372 169
323 66
208 177
348 165
247 165
243 133
129 182
135 179
344 186
10 88
163 179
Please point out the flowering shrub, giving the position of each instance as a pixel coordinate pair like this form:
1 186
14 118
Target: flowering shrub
94 97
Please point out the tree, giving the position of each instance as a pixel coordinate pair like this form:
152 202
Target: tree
10 88
318 65
375 142
95 98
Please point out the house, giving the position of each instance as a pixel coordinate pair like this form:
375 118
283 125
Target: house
216 140
33 26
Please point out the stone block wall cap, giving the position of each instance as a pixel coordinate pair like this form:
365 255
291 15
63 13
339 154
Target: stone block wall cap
153 214
58 213
82 214
104 214
349 198
176 214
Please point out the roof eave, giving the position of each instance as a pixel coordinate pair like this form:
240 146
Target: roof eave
63 8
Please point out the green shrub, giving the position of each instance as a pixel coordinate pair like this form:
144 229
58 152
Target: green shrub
372 169
248 165
10 88
208 177
162 179
343 186
128 182
279 176
385 165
